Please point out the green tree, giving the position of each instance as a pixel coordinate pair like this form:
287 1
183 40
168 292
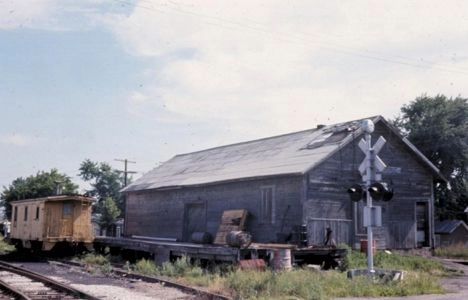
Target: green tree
106 182
109 213
42 184
438 126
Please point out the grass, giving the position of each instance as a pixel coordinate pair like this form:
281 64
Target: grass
395 261
252 284
307 284
96 263
421 277
5 247
94 259
458 251
409 263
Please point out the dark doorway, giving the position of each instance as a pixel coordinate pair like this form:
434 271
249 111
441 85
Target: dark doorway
422 224
194 219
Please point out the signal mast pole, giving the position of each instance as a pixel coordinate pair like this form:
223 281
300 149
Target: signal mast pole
371 171
370 176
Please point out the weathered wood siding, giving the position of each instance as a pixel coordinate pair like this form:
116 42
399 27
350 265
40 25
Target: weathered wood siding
29 227
328 204
458 237
82 226
176 213
41 220
53 226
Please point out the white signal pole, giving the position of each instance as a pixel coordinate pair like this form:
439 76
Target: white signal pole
368 127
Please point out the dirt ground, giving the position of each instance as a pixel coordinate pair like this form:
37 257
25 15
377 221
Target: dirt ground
105 287
456 286
119 288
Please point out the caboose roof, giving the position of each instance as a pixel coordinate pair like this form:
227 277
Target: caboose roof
57 198
289 154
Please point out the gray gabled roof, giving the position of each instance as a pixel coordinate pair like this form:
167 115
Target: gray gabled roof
448 226
289 154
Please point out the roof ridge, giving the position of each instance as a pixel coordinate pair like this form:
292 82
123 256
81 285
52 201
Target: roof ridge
374 119
248 142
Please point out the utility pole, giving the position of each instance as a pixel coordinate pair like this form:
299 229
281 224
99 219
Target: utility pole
124 197
125 171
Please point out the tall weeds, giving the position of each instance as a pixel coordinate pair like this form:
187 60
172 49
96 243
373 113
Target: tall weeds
305 283
459 251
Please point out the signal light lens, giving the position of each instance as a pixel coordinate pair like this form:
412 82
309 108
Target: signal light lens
355 192
380 191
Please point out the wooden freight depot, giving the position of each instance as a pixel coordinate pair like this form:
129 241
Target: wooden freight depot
286 181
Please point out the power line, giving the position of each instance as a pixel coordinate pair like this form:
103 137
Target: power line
125 171
293 37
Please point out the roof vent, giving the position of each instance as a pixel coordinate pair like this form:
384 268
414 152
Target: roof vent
58 187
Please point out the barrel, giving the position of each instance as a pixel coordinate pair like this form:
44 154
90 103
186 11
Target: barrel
238 239
364 246
281 259
201 237
300 235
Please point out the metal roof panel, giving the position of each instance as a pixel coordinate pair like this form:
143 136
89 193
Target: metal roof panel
293 153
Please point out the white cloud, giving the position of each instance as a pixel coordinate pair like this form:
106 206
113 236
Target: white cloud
269 66
16 139
25 13
52 15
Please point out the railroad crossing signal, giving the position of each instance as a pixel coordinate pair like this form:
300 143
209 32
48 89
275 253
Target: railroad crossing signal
376 164
380 191
356 193
371 170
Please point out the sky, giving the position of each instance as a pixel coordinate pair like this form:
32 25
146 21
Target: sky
146 80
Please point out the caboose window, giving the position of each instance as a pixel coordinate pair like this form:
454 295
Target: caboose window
37 212
25 213
15 214
67 208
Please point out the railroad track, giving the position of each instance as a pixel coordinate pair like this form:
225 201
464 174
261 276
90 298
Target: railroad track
201 294
19 283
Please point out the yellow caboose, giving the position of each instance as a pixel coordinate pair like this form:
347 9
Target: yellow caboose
41 223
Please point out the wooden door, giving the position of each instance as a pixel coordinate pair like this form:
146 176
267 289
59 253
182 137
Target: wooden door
67 219
422 224
53 219
194 220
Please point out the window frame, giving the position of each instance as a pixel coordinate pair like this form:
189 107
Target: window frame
267 204
15 214
67 208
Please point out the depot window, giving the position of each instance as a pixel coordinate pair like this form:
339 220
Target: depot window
267 205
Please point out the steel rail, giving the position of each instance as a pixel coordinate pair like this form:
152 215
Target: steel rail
152 279
46 281
12 291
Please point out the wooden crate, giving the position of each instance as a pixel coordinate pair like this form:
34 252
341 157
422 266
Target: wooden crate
231 220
